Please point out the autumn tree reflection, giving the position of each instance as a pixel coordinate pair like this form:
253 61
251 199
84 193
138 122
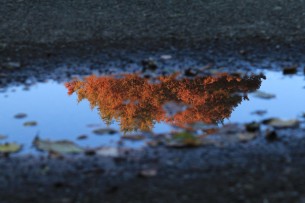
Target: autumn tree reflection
137 103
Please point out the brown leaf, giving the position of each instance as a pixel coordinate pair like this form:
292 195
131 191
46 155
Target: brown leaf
278 123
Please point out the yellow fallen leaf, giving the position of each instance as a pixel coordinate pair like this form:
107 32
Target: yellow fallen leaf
10 148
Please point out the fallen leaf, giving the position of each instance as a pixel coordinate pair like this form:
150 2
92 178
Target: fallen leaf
147 173
183 139
166 57
30 123
20 115
278 123
10 148
103 131
263 95
246 136
61 147
107 151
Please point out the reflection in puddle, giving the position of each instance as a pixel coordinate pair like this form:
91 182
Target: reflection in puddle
137 104
132 103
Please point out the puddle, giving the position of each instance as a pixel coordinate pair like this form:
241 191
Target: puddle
132 104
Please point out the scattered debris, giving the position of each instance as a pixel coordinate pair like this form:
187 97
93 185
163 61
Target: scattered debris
290 70
20 115
278 123
8 148
30 123
230 133
61 147
104 131
263 95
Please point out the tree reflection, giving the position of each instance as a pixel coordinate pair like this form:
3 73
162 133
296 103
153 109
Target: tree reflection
137 103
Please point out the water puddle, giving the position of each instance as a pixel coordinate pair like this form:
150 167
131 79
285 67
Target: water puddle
116 111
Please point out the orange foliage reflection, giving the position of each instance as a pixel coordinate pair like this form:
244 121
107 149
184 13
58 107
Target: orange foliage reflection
137 103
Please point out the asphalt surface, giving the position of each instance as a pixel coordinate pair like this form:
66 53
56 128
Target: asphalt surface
173 21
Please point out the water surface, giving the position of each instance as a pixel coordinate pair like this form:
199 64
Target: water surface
131 104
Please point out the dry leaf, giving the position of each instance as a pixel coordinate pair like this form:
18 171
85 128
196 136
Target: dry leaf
30 123
147 173
10 148
278 123
244 137
61 147
107 151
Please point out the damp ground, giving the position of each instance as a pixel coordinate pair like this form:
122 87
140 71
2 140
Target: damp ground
246 146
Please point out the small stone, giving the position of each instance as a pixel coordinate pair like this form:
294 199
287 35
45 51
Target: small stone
242 52
271 135
252 127
290 70
90 152
190 72
149 64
